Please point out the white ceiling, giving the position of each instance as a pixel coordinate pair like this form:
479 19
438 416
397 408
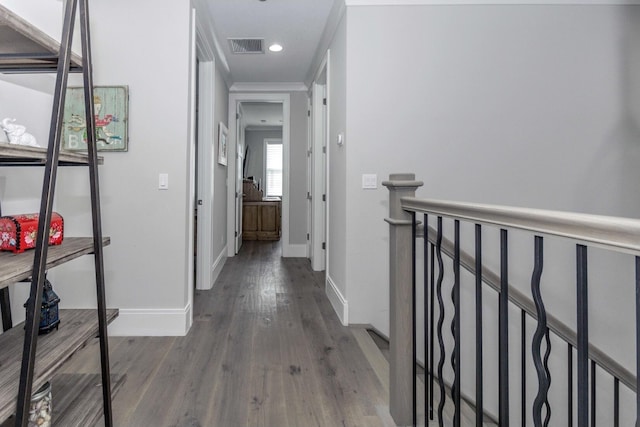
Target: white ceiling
262 114
297 25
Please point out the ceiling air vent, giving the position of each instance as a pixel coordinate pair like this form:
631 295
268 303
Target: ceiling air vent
246 45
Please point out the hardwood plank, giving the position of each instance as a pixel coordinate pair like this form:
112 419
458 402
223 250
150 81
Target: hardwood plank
77 398
12 154
301 381
76 328
265 349
17 267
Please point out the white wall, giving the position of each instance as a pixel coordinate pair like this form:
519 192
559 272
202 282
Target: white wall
145 264
221 115
298 170
337 203
522 105
255 142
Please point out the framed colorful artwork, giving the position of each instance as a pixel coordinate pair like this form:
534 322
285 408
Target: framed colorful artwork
111 109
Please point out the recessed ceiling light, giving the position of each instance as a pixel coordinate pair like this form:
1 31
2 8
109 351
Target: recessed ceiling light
275 47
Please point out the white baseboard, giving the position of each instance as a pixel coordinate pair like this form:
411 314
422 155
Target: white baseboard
218 264
216 268
152 322
338 301
294 251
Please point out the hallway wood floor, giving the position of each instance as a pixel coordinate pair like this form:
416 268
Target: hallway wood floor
266 349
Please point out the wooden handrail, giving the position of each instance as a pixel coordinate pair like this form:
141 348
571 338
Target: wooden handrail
619 234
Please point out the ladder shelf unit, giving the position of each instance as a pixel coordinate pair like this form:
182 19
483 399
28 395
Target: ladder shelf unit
26 360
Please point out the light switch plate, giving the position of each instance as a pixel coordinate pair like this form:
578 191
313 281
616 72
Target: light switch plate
163 181
369 181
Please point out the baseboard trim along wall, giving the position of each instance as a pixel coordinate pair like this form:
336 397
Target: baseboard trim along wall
152 322
218 264
294 251
338 301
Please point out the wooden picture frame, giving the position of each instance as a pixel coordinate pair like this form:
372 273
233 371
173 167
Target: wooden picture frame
223 134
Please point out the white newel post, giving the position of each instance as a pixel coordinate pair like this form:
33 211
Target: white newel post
401 303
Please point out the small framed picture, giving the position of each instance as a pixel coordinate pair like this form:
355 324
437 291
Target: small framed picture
111 105
223 133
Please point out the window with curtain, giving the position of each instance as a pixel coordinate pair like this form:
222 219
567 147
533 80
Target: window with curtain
273 168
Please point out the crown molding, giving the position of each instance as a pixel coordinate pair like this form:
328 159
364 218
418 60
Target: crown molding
337 12
486 2
268 87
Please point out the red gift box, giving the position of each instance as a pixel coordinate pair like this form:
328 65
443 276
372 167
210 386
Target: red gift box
18 232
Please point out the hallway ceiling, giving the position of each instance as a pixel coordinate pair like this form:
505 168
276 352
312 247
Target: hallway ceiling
297 25
262 114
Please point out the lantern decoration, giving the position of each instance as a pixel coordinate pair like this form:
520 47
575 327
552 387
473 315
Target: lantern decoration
49 318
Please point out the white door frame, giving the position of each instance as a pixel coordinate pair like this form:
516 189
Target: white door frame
205 261
285 100
206 151
310 140
320 160
239 193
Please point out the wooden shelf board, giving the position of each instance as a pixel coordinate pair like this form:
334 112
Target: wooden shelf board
19 155
18 36
17 267
77 327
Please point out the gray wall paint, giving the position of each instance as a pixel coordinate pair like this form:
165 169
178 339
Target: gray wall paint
524 105
255 141
20 191
337 216
220 115
298 170
145 264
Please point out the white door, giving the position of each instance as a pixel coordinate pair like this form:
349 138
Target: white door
239 176
318 194
309 179
205 149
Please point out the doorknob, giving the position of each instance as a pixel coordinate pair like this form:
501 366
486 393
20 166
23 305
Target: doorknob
199 202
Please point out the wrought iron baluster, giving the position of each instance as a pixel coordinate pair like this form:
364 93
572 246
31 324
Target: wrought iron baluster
583 336
545 362
431 330
637 341
426 312
443 395
479 367
523 364
413 318
616 402
541 331
455 326
570 383
503 327
593 394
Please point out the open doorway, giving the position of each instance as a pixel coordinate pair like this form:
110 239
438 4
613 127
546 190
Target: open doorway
258 182
262 170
